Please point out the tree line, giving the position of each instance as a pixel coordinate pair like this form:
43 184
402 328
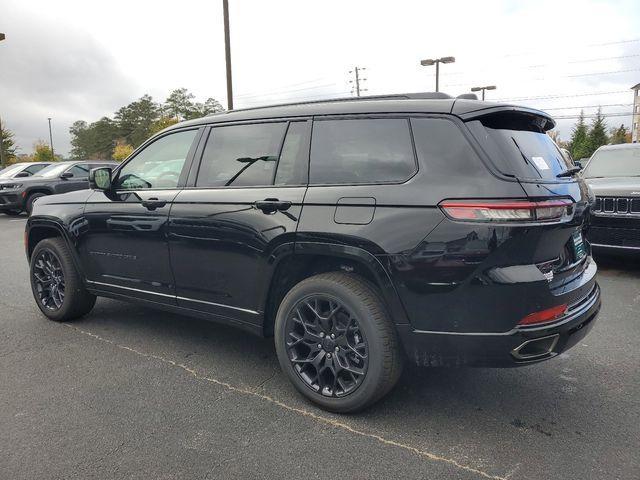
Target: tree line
586 139
114 138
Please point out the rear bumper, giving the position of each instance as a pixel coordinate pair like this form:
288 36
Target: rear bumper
519 346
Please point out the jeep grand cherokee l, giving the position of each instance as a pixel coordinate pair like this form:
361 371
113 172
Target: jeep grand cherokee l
358 234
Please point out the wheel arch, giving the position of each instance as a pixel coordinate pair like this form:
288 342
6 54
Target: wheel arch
311 258
39 229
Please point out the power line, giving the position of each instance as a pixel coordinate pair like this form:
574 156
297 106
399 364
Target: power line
603 73
615 114
541 97
587 106
285 91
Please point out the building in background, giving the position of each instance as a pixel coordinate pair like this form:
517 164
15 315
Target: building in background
635 120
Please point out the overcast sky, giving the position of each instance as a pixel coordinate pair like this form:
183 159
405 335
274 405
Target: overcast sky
80 60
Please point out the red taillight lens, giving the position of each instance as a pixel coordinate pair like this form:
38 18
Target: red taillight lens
506 210
544 316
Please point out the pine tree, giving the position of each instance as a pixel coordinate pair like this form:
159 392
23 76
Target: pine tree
619 135
578 144
8 147
597 133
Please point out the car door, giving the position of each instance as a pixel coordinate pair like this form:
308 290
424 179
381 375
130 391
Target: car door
238 216
124 244
76 177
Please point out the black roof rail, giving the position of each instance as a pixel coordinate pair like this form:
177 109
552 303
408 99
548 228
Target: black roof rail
392 96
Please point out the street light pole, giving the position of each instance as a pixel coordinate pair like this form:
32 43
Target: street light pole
227 54
51 138
488 87
437 61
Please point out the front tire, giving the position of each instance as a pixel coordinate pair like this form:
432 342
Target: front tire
336 342
56 284
30 200
12 213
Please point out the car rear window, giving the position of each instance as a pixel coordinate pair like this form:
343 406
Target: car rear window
361 151
518 146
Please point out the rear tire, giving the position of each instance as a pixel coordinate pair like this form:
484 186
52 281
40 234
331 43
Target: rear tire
352 334
32 198
56 284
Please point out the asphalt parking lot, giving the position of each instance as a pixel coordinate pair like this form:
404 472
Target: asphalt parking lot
129 392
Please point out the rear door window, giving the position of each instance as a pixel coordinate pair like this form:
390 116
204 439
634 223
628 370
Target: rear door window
518 147
241 155
361 151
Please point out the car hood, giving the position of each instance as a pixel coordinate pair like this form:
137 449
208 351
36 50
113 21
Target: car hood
28 180
615 186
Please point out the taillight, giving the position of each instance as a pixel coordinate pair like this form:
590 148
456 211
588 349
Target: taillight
507 210
544 316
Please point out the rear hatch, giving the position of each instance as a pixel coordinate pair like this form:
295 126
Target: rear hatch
518 147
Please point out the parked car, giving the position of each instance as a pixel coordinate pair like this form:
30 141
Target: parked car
19 170
415 227
613 173
19 194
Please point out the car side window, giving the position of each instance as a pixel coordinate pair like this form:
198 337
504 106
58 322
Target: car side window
34 168
80 170
294 159
372 150
158 165
241 155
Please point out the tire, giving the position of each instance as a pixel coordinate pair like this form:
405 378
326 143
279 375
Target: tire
12 213
76 301
360 302
32 198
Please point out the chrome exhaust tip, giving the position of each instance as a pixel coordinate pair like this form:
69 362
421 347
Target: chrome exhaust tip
536 348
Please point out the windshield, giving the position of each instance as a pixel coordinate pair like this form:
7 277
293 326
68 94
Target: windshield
10 170
519 148
614 162
52 170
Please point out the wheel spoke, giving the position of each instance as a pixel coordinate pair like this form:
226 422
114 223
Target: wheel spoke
326 346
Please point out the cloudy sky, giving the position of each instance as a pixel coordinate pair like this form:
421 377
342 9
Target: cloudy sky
80 60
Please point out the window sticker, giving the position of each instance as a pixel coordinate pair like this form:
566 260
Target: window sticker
540 163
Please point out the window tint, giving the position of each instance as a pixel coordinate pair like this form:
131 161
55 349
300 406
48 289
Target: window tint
159 165
241 155
34 168
79 171
444 151
361 151
293 163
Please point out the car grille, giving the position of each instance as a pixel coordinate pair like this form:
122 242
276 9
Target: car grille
621 237
617 205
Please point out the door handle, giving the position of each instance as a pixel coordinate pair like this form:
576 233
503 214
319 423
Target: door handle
272 205
153 203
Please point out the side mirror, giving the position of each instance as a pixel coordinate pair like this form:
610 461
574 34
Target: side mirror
100 178
66 175
22 175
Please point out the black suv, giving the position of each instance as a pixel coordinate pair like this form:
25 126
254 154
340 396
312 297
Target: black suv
19 194
613 173
358 233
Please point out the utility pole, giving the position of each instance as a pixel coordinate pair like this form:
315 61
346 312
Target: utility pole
357 79
227 53
51 138
437 62
488 87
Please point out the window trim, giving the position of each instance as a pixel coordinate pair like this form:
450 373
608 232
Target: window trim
406 118
191 183
186 167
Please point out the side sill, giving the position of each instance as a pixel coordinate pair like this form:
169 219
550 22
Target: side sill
248 327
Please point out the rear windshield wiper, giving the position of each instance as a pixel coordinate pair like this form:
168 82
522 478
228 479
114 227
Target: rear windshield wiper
569 172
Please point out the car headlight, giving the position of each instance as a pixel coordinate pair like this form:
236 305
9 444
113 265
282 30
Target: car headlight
10 186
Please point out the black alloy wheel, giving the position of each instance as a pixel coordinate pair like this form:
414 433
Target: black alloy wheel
48 279
326 346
